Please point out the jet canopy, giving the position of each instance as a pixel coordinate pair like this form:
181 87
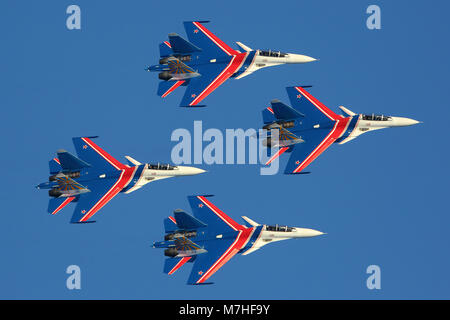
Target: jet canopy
270 53
161 166
279 228
375 117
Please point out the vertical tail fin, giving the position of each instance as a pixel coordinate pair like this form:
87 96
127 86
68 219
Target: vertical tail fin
54 166
180 45
268 115
165 49
186 221
170 225
69 162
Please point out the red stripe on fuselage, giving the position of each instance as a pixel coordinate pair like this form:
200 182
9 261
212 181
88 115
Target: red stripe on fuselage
172 88
62 205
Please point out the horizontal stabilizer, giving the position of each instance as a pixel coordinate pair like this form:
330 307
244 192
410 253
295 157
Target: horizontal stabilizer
56 204
284 112
165 50
276 155
167 87
170 225
182 46
69 162
173 264
186 221
54 166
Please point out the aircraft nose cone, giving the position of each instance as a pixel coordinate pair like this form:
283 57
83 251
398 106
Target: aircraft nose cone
307 233
298 58
403 122
190 171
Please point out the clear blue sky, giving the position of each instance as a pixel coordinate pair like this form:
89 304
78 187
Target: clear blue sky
382 198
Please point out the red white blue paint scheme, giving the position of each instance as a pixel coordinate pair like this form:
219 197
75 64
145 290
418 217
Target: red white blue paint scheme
93 178
307 127
204 62
210 238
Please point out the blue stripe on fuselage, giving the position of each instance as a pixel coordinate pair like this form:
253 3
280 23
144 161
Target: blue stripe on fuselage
350 128
246 64
135 178
252 240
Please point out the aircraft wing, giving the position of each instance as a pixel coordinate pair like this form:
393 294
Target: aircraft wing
313 110
98 158
208 42
211 77
102 191
316 142
217 221
219 252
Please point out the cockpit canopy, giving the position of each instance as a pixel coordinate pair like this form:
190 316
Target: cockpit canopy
375 117
279 228
160 166
270 53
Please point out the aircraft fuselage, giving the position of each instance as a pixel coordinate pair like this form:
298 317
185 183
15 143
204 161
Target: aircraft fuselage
254 238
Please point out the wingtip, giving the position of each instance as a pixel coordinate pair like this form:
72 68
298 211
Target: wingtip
302 86
86 137
202 195
199 21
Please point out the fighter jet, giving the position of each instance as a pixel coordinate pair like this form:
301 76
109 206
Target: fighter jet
204 62
95 177
210 238
307 127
